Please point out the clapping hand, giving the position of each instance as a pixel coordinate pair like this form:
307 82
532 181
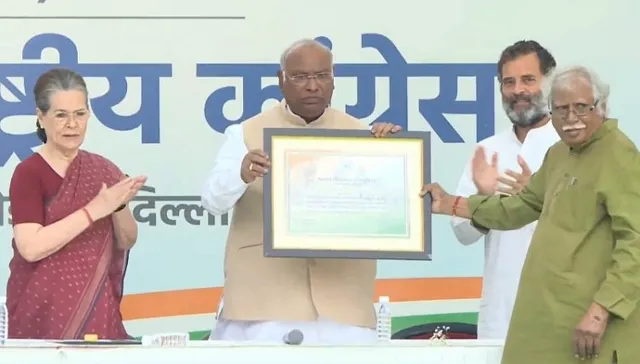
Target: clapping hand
485 175
138 182
110 198
517 181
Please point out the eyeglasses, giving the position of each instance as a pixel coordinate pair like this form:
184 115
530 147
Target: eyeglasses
64 117
302 79
578 108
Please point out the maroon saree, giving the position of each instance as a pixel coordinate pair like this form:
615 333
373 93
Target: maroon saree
77 290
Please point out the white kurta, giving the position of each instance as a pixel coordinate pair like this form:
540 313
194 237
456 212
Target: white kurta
223 188
504 251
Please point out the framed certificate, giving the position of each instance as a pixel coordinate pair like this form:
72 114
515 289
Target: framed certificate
345 194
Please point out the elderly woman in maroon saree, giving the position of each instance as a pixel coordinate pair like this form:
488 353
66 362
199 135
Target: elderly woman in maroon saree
72 227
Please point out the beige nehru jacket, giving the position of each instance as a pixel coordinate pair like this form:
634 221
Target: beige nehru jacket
290 289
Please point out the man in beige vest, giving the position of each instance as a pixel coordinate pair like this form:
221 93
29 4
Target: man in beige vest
328 300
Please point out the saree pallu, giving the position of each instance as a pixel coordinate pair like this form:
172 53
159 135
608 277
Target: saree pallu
78 289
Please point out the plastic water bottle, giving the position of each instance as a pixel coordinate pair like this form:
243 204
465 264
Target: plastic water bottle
4 321
383 327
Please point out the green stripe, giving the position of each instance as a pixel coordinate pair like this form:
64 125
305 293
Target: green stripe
398 323
401 323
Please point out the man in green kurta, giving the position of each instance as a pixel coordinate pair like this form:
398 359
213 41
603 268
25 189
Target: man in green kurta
580 284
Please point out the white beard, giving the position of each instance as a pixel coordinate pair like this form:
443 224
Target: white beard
528 117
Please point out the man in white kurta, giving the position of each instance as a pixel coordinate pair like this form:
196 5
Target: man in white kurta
523 67
504 251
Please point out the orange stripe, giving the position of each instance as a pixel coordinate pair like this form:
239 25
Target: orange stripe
205 300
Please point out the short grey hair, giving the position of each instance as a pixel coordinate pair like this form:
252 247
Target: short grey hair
300 44
50 82
563 78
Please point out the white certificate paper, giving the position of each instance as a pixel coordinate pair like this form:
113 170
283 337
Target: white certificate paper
348 195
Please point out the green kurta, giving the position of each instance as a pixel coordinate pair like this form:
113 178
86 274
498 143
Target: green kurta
586 248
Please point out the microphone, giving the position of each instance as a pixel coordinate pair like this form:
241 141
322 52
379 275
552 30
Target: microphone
293 337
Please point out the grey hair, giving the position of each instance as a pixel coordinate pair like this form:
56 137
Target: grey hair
50 82
563 79
300 44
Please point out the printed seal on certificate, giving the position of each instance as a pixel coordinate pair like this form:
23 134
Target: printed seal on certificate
345 194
